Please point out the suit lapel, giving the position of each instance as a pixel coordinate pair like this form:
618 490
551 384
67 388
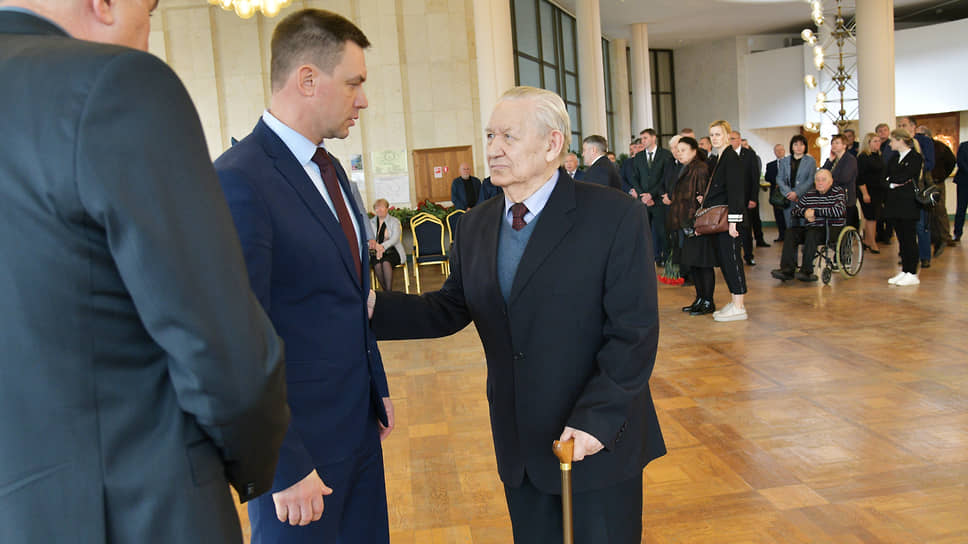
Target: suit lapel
298 179
554 223
493 214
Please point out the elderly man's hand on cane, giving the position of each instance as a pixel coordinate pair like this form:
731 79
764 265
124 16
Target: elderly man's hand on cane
585 444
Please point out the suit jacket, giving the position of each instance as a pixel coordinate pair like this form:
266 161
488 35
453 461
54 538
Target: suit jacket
628 174
944 162
649 179
488 190
393 236
900 202
603 172
771 171
751 172
139 375
845 175
458 192
302 272
574 345
805 173
961 176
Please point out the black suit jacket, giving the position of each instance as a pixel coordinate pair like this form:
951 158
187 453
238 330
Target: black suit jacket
650 179
751 173
772 169
138 374
603 172
574 345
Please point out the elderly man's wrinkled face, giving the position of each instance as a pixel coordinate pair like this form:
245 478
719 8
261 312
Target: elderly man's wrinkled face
571 162
823 181
518 151
779 151
465 170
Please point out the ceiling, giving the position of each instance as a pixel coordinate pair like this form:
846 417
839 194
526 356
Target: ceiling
678 23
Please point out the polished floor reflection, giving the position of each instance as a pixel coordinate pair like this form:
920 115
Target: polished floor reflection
835 414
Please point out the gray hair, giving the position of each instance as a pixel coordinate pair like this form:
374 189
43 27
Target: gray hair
549 114
600 143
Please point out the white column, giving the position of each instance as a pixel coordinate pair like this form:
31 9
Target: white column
875 63
495 55
591 72
620 95
641 78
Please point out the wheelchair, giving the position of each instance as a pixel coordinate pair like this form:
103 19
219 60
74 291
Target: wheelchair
846 256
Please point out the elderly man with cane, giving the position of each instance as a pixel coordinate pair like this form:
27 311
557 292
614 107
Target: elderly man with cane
559 282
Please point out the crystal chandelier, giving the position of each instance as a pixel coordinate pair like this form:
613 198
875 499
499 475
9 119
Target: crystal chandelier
836 60
247 8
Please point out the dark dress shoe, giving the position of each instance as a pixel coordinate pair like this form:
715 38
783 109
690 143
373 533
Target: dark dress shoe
778 240
750 262
806 276
925 264
939 250
781 275
704 307
762 243
692 306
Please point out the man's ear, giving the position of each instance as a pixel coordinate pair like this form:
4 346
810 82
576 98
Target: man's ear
308 79
556 141
103 11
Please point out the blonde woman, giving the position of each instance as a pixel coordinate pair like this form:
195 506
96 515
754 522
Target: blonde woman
901 206
870 174
386 243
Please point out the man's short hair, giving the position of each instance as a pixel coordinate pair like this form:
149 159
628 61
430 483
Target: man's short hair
914 122
926 131
311 36
549 112
649 131
686 132
850 130
600 143
879 125
841 137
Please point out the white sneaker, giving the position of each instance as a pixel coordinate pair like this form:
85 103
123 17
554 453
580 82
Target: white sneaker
730 313
727 307
908 279
895 279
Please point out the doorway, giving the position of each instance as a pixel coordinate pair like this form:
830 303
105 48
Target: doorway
435 169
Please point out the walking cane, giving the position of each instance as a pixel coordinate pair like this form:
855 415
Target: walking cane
564 452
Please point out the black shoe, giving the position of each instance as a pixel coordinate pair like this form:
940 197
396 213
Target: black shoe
704 307
692 306
781 274
806 276
925 264
956 239
778 240
939 250
762 243
750 262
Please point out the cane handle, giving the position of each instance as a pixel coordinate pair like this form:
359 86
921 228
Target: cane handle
565 451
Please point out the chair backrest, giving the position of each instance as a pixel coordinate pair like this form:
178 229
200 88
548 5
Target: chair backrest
428 235
452 219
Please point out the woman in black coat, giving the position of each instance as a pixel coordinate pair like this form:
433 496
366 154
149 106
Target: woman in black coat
900 205
727 187
698 255
870 184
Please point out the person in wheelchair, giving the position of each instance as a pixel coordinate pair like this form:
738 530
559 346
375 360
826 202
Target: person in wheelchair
817 218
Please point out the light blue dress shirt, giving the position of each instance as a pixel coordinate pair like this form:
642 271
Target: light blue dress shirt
535 203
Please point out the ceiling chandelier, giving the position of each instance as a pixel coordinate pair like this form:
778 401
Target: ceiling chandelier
247 8
835 58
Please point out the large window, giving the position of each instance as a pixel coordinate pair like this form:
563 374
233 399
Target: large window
546 54
663 94
613 143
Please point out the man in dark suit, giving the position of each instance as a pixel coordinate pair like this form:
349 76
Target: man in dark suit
302 234
650 167
601 170
751 176
628 170
772 169
139 376
961 183
756 224
465 189
569 326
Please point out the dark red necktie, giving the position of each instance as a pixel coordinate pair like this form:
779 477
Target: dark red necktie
328 172
518 212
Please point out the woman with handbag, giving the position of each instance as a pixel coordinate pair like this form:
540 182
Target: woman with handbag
901 206
698 254
725 198
870 173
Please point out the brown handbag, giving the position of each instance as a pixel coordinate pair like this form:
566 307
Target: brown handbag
714 219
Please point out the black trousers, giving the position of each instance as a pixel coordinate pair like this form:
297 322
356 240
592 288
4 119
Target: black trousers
612 515
753 231
907 239
781 225
810 237
727 252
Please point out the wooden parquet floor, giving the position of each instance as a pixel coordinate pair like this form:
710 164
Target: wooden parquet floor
834 414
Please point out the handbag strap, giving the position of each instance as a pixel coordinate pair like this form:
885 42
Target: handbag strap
711 176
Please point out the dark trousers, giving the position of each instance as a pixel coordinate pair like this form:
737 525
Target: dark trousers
753 231
853 216
810 237
355 512
727 252
657 217
961 209
612 515
907 239
940 228
705 282
781 225
885 230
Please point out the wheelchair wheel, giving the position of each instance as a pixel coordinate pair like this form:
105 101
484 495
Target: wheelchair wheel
850 252
825 275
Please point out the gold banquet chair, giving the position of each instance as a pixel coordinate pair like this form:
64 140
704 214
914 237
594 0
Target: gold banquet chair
428 244
452 219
